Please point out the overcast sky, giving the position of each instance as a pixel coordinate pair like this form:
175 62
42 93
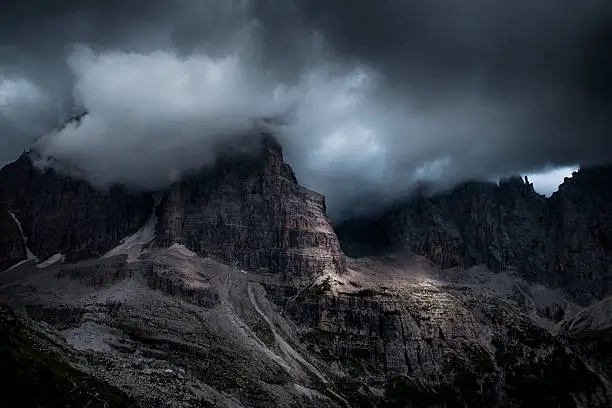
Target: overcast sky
375 96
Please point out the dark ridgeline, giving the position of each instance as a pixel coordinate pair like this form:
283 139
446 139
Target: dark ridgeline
563 241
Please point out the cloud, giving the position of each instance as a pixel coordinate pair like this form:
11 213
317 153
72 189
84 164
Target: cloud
376 97
548 182
153 116
22 113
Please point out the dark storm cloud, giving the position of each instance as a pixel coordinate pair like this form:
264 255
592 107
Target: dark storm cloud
382 94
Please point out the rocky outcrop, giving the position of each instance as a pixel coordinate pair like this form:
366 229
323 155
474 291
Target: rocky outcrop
171 329
562 241
406 337
68 215
590 333
247 208
278 318
580 235
174 329
252 212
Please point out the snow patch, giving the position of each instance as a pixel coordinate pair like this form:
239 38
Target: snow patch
133 245
593 318
182 249
57 258
18 264
30 255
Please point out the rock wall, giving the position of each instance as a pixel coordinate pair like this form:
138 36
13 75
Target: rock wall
65 214
12 247
439 345
563 241
252 212
247 209
580 235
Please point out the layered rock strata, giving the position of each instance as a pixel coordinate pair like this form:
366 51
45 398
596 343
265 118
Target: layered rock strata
253 213
563 241
247 209
61 214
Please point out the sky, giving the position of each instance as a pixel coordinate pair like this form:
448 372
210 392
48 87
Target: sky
371 98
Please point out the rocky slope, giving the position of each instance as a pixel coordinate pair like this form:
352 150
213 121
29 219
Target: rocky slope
173 329
590 332
229 289
562 241
34 373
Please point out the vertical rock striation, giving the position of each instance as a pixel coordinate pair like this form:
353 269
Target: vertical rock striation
12 247
65 214
563 241
252 212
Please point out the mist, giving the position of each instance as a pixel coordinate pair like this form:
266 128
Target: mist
371 101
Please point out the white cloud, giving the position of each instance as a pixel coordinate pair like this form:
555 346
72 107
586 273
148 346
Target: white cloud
547 182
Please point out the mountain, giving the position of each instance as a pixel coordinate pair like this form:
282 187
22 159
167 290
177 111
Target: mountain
230 288
67 215
563 241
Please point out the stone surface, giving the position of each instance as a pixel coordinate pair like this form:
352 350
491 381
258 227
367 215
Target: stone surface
66 215
252 212
562 241
405 334
246 209
12 247
581 235
35 374
172 329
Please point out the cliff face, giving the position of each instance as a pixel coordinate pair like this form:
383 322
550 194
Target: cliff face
562 241
60 214
422 338
580 234
34 375
246 210
252 212
12 247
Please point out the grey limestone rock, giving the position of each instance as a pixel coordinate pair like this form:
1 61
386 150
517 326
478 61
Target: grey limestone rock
562 241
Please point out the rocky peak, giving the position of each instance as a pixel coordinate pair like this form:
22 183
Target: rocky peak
247 209
252 212
517 184
563 241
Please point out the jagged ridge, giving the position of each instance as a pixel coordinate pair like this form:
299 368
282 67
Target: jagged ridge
563 241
